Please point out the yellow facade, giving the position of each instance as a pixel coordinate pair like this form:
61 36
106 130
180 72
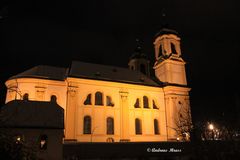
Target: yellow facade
77 97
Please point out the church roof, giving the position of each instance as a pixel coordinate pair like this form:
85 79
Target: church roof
88 71
138 56
109 73
31 114
138 53
43 71
166 31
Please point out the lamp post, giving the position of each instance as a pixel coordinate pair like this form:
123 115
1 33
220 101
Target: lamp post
211 128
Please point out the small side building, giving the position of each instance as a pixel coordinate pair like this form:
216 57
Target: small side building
38 124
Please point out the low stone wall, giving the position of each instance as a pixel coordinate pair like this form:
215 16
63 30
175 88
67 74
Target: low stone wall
207 150
129 150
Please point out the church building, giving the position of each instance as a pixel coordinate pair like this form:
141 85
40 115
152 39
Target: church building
111 104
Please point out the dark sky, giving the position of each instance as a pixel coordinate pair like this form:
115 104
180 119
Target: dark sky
55 33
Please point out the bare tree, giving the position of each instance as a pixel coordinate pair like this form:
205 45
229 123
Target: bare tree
92 132
183 123
16 90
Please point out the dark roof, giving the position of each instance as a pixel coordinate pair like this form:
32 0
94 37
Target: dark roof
109 73
31 114
43 71
138 56
89 71
166 31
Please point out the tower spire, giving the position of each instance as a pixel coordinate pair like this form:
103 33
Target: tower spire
164 22
139 61
138 48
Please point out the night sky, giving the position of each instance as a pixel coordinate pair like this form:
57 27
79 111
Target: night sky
104 32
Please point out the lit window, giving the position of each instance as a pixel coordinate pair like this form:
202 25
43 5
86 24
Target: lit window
98 98
156 127
109 101
88 100
138 126
110 125
137 104
87 125
43 142
145 102
154 105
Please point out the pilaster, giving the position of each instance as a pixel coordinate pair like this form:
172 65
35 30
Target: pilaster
71 112
124 115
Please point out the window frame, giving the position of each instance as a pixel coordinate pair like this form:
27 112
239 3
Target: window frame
53 96
156 126
160 50
148 106
85 100
155 102
87 126
138 126
173 48
110 125
139 103
25 96
111 104
102 99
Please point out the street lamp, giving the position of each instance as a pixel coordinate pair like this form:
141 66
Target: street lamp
211 127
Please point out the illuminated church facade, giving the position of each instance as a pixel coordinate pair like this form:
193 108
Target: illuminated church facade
106 103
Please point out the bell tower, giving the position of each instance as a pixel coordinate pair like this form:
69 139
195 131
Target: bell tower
170 69
169 66
139 61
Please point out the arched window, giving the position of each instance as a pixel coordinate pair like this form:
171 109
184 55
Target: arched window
53 98
173 48
109 101
137 104
138 126
160 51
154 105
110 125
26 96
88 100
87 125
98 98
43 142
156 127
145 102
143 68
